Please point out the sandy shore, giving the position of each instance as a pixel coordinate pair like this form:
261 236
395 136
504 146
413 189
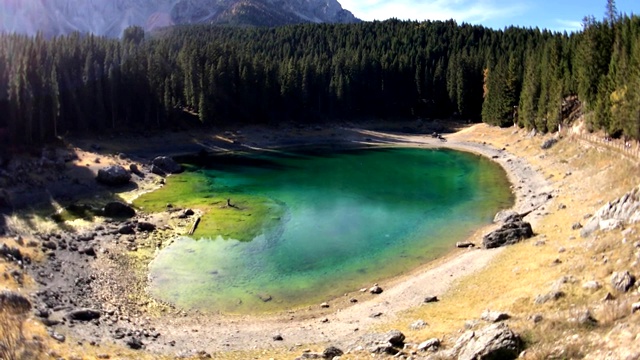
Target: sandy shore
343 323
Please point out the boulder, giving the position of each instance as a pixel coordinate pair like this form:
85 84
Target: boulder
547 144
622 281
157 170
494 316
167 164
146 226
430 299
126 229
135 170
502 215
88 250
135 343
465 244
592 285
495 341
118 209
331 352
83 314
395 338
384 349
11 253
429 345
509 233
375 289
417 325
544 298
113 175
57 336
585 318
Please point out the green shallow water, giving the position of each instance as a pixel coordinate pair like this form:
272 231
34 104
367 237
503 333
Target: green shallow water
312 226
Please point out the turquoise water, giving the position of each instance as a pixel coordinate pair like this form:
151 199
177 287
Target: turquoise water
346 219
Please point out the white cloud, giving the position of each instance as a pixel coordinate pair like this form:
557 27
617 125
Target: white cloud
567 25
471 11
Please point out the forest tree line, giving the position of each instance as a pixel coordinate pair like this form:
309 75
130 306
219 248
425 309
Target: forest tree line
319 72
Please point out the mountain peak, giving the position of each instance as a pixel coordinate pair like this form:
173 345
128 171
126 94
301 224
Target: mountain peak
111 17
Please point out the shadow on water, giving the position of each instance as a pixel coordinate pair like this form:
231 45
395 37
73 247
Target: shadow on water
230 161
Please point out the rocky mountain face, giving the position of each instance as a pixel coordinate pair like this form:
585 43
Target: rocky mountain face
111 17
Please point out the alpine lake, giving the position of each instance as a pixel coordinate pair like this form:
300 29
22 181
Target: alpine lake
308 225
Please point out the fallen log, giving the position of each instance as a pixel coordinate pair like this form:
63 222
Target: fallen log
194 226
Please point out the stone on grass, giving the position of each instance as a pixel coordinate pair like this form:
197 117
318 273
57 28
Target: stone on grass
430 299
135 343
547 144
331 352
494 316
586 318
622 281
429 345
417 325
592 285
550 296
495 341
395 338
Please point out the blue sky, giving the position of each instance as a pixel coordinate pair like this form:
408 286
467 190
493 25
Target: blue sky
556 15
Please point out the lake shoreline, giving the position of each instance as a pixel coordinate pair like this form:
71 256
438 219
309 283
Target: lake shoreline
343 322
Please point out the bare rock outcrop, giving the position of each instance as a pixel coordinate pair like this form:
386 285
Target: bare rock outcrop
615 214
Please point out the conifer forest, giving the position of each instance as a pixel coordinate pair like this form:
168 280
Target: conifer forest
313 73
